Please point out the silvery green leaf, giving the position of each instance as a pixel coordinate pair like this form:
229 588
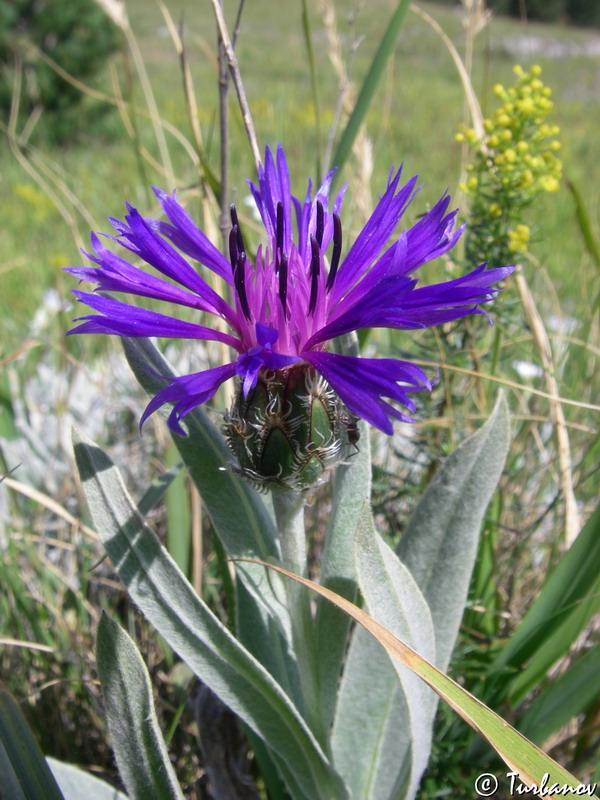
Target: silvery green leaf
369 717
136 737
169 602
398 724
24 773
240 517
351 490
75 783
439 545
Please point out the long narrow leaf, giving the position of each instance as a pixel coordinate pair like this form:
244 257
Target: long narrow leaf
166 598
239 515
440 543
76 784
521 755
24 773
351 490
136 737
179 522
569 598
391 710
566 697
367 92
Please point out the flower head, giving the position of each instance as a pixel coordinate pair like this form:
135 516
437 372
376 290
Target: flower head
292 299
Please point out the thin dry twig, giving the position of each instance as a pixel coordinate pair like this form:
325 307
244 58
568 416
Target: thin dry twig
237 81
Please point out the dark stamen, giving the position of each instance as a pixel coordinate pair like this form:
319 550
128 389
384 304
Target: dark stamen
233 251
337 251
279 235
235 223
320 222
315 265
239 279
283 274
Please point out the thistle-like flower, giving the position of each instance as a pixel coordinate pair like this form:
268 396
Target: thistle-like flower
297 400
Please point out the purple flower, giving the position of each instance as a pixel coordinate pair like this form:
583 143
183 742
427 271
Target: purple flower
295 297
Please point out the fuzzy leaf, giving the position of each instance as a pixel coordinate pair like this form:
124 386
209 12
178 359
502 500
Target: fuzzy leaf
136 737
24 773
166 598
440 543
394 724
520 755
75 783
238 513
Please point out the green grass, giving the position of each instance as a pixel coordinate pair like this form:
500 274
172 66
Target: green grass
413 118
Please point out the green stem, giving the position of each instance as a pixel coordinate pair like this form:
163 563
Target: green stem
289 515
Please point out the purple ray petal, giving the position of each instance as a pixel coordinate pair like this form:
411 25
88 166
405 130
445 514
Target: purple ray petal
186 235
362 383
186 393
122 319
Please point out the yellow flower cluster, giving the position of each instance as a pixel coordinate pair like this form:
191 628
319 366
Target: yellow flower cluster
516 158
518 239
518 148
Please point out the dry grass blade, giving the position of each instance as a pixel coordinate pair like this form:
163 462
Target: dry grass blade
50 504
542 344
506 382
471 97
26 645
521 755
14 144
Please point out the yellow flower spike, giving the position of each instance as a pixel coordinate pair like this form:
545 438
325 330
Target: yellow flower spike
510 155
554 145
503 119
537 85
522 146
518 70
493 141
498 90
506 134
459 137
523 231
526 178
536 69
472 182
550 184
526 105
546 91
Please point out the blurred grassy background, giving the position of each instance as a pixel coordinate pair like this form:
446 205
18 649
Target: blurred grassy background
413 118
